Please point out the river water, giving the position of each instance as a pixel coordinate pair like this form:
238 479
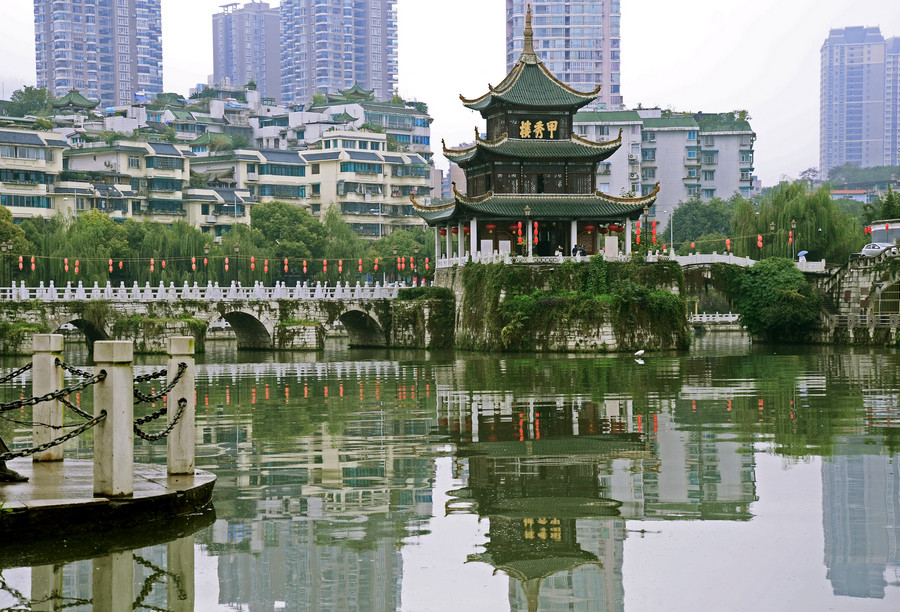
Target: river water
730 477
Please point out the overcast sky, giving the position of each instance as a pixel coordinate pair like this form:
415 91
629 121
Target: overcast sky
693 55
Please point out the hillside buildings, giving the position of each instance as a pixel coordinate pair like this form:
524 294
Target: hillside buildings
859 99
109 50
330 45
578 41
690 155
246 47
209 160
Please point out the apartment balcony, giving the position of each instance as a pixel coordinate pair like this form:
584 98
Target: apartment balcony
650 163
691 161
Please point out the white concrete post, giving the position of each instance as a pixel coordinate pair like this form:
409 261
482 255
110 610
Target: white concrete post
47 377
449 238
573 236
180 450
460 238
113 584
114 436
180 562
628 236
437 243
473 237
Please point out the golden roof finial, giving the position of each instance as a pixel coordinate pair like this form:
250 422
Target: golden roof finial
529 33
477 134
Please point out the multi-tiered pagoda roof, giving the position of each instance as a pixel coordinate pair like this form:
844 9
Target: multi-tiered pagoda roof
531 162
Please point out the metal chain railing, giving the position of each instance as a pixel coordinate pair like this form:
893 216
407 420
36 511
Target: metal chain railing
54 395
141 397
149 377
150 582
15 373
56 441
72 369
182 404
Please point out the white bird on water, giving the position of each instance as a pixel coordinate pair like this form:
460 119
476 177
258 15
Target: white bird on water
639 353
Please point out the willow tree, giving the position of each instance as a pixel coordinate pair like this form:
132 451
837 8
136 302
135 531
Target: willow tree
816 223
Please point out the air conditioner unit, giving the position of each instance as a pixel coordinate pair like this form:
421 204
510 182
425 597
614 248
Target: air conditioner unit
631 156
210 218
217 240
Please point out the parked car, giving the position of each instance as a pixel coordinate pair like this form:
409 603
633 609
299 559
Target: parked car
874 249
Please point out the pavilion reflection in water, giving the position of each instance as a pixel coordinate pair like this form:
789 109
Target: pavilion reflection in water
536 470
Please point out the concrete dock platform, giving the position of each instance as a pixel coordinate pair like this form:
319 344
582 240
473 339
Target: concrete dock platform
57 505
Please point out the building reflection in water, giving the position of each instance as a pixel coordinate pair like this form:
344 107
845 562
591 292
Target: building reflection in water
861 515
318 496
558 476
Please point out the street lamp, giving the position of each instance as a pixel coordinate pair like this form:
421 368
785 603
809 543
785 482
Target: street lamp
4 248
237 249
206 261
772 232
396 262
793 236
528 229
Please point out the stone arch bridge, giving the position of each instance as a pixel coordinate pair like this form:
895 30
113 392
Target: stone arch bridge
260 317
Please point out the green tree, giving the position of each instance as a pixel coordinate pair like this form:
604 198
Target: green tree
823 228
29 101
293 231
776 301
239 141
697 221
343 241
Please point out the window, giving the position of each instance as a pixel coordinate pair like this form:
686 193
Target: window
282 191
709 193
361 167
165 163
648 173
314 168
282 170
709 175
648 154
316 189
134 161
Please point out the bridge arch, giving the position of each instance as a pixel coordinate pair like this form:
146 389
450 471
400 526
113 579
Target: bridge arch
251 333
362 328
92 332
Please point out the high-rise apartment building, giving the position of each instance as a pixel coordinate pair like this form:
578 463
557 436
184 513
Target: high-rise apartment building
246 47
859 120
108 50
578 41
332 45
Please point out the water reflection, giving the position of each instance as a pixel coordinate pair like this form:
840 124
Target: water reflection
328 471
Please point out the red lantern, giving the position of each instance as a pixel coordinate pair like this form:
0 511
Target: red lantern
512 227
589 228
32 267
443 232
152 262
340 266
728 244
455 230
304 266
466 230
164 264
205 262
603 230
325 265
426 263
360 266
790 237
376 264
76 263
490 227
692 246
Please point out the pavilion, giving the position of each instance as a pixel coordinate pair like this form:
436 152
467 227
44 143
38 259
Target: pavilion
531 185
